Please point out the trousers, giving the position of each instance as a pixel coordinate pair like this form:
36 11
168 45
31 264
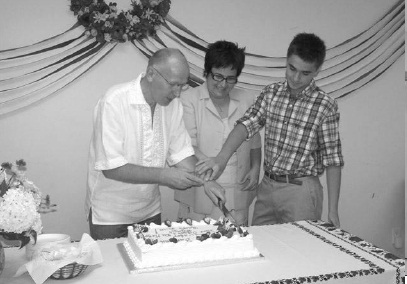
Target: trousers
281 202
101 232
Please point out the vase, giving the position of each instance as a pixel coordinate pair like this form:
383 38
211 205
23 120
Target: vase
2 258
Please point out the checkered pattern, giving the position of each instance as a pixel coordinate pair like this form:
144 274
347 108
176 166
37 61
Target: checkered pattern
301 135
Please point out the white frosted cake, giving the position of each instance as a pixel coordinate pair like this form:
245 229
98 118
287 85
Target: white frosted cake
172 244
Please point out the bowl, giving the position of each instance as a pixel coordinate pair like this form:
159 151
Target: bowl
45 240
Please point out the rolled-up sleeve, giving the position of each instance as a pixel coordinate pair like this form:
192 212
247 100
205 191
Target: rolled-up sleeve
189 118
180 146
254 118
329 140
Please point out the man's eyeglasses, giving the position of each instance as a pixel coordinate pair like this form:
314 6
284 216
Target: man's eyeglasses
219 78
182 87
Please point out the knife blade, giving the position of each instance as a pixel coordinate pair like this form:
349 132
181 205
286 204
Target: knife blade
226 212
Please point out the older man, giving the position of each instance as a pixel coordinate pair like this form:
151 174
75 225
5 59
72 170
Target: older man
138 129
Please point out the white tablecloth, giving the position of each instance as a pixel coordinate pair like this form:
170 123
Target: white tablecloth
299 252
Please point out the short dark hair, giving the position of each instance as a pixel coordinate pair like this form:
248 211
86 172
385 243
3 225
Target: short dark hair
224 54
309 48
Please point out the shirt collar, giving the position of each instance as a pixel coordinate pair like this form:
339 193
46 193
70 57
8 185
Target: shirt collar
204 94
306 92
137 96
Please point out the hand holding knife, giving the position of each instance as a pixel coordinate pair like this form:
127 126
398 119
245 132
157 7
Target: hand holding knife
226 212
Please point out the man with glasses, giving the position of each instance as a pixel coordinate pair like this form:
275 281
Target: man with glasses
138 130
210 112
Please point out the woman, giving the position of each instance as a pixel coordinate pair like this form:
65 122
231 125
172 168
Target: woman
210 112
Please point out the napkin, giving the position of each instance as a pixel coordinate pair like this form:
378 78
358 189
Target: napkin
50 258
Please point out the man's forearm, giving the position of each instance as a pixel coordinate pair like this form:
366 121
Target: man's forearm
333 179
135 174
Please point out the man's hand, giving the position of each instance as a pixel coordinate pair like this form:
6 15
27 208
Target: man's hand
251 179
179 179
215 192
215 164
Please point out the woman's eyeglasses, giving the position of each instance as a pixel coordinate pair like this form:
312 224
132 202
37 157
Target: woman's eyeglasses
219 78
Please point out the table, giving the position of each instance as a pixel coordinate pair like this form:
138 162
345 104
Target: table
298 252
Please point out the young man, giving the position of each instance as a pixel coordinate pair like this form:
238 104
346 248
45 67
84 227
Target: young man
138 128
301 141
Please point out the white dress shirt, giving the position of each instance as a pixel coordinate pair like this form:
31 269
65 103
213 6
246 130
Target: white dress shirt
124 132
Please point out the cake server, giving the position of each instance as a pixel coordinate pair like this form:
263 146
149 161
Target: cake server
226 212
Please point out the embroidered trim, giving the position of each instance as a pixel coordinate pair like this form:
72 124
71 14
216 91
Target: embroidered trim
374 269
355 241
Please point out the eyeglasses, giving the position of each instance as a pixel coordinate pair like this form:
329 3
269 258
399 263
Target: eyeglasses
219 78
182 87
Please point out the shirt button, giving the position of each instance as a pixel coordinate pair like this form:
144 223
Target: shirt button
285 122
290 105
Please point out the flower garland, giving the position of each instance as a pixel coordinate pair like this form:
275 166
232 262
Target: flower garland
105 23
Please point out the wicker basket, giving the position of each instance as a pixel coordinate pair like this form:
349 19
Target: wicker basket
69 271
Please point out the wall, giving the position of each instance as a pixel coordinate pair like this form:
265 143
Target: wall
53 135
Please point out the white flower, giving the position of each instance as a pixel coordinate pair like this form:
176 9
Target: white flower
136 2
155 2
99 17
18 212
108 37
132 19
113 15
148 14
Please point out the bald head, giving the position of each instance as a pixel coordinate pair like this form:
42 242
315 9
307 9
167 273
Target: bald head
167 58
167 72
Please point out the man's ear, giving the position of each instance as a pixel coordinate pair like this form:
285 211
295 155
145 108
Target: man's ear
150 73
317 72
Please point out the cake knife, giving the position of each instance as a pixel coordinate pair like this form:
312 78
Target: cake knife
226 212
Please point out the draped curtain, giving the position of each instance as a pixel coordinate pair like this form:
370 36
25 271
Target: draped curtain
34 72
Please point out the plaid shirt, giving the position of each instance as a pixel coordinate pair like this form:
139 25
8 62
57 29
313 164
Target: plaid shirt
301 135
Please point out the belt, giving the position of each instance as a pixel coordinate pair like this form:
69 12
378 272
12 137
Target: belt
284 178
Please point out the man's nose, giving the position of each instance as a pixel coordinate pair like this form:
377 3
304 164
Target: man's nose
297 77
177 92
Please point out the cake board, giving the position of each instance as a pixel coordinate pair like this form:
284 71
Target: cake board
134 270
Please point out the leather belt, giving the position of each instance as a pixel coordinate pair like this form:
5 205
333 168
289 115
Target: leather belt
293 179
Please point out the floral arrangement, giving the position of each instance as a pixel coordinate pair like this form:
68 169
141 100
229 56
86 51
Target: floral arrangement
21 203
105 23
